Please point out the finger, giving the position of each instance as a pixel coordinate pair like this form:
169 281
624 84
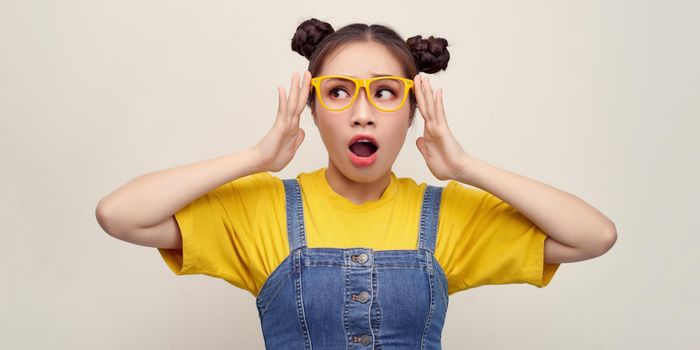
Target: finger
304 93
300 138
421 147
282 103
429 99
440 108
293 92
420 98
302 99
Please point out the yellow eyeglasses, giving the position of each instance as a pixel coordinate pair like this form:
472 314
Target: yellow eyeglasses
339 92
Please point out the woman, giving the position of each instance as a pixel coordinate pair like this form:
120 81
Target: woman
351 256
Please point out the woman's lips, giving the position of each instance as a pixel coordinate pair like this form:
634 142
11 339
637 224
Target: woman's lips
363 136
359 160
362 161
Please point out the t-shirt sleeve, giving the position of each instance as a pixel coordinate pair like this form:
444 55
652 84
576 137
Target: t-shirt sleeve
484 240
217 231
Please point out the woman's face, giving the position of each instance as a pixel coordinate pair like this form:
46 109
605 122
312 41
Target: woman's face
362 60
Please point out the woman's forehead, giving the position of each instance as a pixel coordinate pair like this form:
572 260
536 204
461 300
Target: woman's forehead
362 60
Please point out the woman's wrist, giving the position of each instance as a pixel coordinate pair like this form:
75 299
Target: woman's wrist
469 171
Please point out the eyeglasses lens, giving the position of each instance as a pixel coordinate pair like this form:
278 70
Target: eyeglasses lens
386 93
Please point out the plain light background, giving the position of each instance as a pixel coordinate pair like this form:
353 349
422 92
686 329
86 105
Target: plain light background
597 98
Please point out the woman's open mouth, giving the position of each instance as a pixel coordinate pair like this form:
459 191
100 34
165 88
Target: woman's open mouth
363 150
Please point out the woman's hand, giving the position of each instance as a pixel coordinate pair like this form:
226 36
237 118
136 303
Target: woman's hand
278 146
445 157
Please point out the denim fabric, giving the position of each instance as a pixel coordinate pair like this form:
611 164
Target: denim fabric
355 298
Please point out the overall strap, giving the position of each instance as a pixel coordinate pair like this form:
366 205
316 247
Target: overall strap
295 214
430 212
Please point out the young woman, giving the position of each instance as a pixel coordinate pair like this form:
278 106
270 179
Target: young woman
350 255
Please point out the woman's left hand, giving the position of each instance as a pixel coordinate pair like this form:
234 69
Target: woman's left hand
443 154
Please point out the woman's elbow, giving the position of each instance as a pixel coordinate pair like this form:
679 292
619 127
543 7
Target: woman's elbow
606 240
105 220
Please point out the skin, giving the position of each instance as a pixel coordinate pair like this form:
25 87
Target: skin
142 211
360 184
576 231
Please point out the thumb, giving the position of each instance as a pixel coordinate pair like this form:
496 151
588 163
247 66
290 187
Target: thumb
300 139
421 147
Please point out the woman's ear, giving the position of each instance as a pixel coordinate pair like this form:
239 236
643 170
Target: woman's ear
313 115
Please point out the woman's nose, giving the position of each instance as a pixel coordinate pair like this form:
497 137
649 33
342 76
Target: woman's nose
363 111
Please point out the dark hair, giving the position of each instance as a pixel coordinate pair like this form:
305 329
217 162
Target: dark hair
315 39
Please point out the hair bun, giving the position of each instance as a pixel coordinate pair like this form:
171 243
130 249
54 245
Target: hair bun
308 35
430 54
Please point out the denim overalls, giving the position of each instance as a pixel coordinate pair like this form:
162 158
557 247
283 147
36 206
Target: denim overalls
355 298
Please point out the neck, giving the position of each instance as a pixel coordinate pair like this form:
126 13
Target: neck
356 192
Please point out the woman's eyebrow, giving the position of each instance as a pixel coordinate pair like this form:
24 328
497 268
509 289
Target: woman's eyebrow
373 75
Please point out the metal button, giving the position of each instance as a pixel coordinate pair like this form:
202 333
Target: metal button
363 339
362 297
362 258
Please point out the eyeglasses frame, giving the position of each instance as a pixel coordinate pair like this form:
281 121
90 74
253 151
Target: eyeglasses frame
359 83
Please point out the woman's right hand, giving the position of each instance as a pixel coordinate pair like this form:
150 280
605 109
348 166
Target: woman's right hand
278 146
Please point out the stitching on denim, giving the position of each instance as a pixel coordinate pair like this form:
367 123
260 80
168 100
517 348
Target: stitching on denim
421 266
430 219
288 211
267 299
328 264
427 239
348 336
273 276
295 214
430 229
301 232
369 307
378 317
430 311
405 267
435 217
443 286
423 214
299 298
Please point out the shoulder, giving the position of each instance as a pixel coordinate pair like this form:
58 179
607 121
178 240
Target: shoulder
263 185
452 193
258 181
458 193
409 185
461 202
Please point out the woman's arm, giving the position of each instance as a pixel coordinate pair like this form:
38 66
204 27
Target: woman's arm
141 211
576 230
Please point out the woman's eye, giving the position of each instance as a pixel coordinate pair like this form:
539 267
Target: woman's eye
339 93
387 93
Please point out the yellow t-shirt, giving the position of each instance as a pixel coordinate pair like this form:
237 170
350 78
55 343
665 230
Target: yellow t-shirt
238 231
